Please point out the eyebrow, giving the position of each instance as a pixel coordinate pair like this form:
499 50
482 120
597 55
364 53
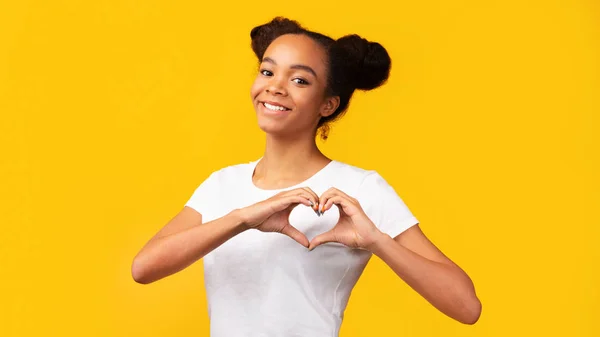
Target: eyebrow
295 66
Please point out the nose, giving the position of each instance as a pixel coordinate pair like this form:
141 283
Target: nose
276 86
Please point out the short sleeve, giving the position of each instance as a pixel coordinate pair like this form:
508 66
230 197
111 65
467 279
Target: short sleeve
384 206
203 194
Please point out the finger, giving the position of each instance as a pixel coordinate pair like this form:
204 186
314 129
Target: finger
300 199
285 202
334 191
314 200
306 192
321 239
326 196
309 194
315 197
330 193
295 234
347 204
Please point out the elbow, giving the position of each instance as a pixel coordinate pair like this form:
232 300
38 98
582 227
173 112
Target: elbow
472 312
139 272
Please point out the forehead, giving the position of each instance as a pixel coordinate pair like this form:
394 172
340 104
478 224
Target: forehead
292 49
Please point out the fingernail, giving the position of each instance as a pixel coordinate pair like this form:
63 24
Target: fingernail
312 203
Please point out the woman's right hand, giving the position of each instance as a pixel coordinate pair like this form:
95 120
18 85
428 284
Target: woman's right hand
272 215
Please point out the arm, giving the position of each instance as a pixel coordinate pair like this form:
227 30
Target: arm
181 242
429 272
410 255
185 239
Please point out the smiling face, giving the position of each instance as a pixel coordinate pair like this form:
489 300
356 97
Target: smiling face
289 91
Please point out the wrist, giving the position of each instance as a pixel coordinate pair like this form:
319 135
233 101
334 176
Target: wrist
379 242
240 223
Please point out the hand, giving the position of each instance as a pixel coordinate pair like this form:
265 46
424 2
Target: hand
354 228
272 215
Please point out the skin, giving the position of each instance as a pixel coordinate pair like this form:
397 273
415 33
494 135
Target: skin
293 74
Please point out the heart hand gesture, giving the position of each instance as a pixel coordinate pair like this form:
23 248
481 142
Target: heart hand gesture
272 214
354 228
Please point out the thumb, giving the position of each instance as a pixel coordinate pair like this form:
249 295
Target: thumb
295 234
321 239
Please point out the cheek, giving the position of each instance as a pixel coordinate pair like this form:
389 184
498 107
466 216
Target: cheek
256 88
309 99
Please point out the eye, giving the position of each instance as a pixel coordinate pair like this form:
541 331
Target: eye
266 72
300 81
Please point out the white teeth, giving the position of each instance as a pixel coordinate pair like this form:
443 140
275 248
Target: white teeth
274 107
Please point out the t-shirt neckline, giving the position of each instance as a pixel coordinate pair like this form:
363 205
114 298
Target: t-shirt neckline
300 184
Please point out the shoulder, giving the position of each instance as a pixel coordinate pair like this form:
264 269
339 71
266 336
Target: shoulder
380 201
228 174
349 171
365 184
362 176
232 170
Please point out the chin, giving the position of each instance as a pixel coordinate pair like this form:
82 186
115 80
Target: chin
269 127
276 125
270 124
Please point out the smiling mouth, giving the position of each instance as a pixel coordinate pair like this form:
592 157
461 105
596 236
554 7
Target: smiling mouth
273 107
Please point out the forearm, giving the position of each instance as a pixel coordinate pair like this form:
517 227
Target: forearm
445 286
167 255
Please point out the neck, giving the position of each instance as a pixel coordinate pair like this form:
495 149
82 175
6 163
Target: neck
288 161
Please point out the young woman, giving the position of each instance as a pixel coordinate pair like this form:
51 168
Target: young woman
285 238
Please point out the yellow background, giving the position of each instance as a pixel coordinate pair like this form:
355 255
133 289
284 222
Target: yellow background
112 112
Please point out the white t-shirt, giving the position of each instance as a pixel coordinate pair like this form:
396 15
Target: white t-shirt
266 284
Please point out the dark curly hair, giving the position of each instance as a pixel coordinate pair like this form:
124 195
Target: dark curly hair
354 63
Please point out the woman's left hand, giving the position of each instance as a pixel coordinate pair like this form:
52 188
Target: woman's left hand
354 228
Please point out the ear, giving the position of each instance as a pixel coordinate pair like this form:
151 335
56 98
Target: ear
331 104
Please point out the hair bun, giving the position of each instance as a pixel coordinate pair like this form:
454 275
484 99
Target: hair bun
368 62
264 34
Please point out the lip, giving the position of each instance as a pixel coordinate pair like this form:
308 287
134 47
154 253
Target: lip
275 113
275 104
